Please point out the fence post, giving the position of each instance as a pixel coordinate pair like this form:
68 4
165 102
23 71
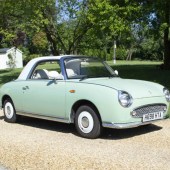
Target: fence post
114 53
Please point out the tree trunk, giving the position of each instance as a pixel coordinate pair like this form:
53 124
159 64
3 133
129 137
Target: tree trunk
53 43
166 38
129 56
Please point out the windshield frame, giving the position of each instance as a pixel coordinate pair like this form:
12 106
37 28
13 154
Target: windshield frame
108 68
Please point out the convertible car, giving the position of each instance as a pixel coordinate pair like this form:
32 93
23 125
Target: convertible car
84 91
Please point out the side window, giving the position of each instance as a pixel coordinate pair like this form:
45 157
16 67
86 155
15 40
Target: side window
47 70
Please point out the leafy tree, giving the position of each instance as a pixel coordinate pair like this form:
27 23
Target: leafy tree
110 20
40 42
141 27
156 15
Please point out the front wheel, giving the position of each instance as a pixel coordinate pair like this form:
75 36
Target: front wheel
87 122
9 111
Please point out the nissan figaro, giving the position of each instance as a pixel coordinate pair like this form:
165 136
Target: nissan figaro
84 91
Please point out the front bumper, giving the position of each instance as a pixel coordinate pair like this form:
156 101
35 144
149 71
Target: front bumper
128 125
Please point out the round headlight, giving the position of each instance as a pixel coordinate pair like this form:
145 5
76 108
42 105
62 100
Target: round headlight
125 99
167 94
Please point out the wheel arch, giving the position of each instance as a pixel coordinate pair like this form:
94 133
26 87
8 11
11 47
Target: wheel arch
79 103
4 98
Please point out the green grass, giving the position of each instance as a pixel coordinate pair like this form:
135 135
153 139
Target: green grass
8 75
143 70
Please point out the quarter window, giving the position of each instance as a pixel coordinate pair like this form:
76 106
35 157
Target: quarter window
47 70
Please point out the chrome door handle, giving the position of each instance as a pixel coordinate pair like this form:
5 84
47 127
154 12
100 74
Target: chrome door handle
25 88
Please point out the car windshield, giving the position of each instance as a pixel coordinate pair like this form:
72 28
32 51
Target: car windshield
86 67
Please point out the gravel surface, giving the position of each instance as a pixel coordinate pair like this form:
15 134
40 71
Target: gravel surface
43 145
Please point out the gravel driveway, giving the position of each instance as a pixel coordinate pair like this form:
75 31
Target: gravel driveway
44 145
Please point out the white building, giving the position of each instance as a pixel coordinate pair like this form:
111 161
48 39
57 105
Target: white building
10 57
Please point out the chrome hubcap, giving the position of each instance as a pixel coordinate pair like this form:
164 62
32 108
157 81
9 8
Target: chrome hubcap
9 110
85 122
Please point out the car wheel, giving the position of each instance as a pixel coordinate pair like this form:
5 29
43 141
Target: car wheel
9 111
87 122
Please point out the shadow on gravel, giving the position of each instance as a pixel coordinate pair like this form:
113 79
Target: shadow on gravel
47 125
1 117
117 134
109 134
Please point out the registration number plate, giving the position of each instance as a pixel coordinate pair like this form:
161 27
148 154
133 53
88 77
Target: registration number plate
152 116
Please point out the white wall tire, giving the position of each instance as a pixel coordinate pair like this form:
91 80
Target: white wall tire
87 122
9 111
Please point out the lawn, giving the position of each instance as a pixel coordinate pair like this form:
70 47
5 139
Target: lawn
8 75
143 70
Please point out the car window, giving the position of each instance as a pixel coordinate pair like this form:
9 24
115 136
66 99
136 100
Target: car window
47 70
86 68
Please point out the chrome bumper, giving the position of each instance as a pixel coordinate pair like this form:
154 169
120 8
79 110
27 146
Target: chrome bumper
127 125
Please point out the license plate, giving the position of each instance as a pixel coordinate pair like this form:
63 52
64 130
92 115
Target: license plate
152 116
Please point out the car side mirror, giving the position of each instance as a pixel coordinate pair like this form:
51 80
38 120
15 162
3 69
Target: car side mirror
116 72
55 75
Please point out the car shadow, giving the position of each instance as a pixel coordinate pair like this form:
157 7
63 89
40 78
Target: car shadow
1 117
47 125
117 134
109 134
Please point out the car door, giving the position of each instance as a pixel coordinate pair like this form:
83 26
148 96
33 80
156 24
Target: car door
44 96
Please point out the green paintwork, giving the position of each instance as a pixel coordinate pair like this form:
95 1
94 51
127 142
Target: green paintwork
50 98
105 97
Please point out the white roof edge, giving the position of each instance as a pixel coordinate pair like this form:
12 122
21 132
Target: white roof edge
24 74
14 48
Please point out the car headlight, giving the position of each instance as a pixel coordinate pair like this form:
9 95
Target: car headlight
167 94
125 99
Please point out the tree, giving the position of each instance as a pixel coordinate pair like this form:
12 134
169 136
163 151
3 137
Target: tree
165 18
40 42
110 20
87 27
156 15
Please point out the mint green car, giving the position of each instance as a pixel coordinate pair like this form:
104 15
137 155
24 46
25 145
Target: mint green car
84 91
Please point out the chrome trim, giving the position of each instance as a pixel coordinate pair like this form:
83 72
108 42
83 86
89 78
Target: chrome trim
56 119
130 100
128 125
150 105
147 105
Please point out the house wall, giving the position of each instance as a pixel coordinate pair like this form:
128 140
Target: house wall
19 61
4 59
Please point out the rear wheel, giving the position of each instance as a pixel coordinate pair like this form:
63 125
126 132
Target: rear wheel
87 122
9 111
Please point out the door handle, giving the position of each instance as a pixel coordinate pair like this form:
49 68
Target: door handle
25 88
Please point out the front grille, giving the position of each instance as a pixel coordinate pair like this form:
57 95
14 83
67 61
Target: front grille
140 111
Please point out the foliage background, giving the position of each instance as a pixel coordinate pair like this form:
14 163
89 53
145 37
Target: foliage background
53 27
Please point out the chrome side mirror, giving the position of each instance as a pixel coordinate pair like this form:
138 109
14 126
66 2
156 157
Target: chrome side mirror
116 72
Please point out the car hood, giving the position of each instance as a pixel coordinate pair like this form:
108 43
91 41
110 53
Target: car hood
137 88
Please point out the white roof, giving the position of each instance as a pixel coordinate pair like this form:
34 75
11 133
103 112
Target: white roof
4 50
28 67
7 50
25 72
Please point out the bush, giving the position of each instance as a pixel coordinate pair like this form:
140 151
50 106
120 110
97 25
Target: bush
30 57
121 53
